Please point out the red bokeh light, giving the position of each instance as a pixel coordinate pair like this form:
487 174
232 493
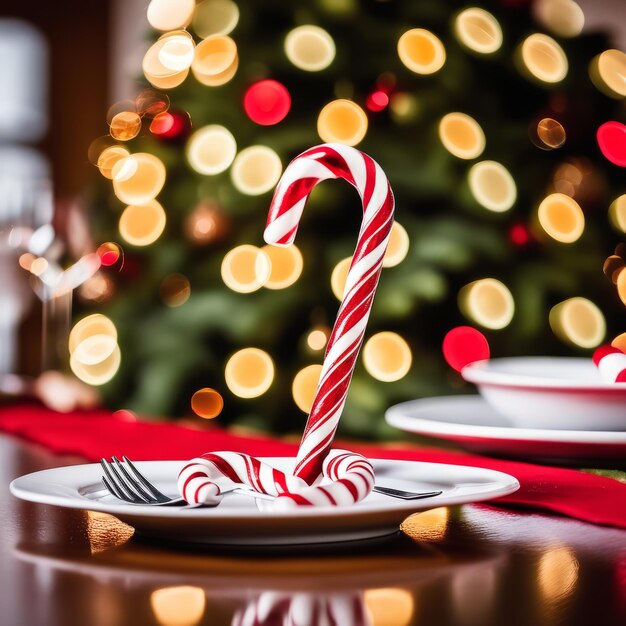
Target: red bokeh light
170 125
519 235
267 102
464 345
109 253
611 138
377 101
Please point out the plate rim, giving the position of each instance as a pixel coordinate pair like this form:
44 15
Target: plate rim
397 417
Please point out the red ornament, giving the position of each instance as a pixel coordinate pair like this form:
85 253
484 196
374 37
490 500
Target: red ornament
377 101
171 125
267 102
464 345
519 235
611 138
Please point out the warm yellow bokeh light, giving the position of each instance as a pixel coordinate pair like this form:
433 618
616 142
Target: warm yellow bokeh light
557 573
207 403
211 149
125 125
564 18
620 283
175 290
398 246
96 324
478 30
561 217
310 48
608 73
617 213
620 342
215 61
287 264
305 385
461 135
170 14
146 179
142 224
550 134
339 276
544 58
108 159
215 17
316 339
387 356
156 73
342 121
492 186
94 349
249 373
101 372
487 302
176 52
389 606
246 268
578 321
421 51
178 606
256 170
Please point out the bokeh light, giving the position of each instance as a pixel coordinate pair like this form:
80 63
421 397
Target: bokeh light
389 606
38 266
612 266
101 372
478 30
211 149
464 345
487 302
548 134
142 224
421 51
96 324
170 14
342 121
94 349
125 125
461 135
579 322
387 356
26 261
607 71
557 574
398 246
620 342
543 58
304 386
176 52
404 107
156 73
492 186
256 170
175 290
617 213
109 157
564 18
317 339
99 288
178 606
246 268
267 102
207 403
561 217
339 276
249 372
109 253
139 178
215 61
310 48
611 138
215 17
286 263
150 102
620 283
377 101
206 224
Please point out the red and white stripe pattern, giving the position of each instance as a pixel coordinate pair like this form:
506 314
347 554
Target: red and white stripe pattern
611 363
331 161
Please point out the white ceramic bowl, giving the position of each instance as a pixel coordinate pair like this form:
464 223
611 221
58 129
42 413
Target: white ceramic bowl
550 392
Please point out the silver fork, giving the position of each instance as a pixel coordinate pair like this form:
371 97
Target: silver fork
130 485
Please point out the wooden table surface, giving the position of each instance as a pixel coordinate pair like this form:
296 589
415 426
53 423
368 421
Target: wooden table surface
469 566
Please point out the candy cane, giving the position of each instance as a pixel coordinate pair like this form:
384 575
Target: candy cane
611 363
349 477
330 161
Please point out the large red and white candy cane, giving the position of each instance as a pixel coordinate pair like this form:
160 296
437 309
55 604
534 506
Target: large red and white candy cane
329 161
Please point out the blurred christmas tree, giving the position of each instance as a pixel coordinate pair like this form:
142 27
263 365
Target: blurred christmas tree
486 127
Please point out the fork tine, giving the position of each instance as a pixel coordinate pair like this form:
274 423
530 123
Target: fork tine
144 481
112 489
130 482
120 490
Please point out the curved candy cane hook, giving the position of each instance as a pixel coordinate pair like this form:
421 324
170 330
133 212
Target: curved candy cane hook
330 161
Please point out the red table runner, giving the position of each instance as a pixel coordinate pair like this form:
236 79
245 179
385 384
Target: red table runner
97 434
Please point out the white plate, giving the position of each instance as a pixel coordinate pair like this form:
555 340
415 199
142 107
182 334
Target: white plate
474 425
238 520
549 392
